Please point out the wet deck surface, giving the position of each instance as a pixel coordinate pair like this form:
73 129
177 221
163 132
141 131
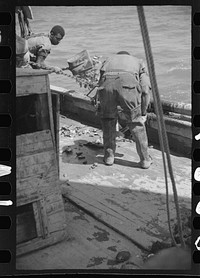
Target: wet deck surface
129 202
88 245
130 199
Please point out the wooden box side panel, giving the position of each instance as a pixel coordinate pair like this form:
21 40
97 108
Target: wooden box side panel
50 222
35 164
38 184
40 243
33 142
55 211
36 155
26 85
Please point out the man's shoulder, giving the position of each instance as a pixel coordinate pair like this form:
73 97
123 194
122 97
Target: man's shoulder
134 58
40 38
40 41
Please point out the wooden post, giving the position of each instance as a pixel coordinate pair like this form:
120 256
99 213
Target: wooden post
50 111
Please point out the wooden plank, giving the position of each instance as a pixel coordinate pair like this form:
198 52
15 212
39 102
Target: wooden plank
33 142
130 206
178 144
52 187
54 207
37 219
56 221
39 243
52 197
99 238
34 159
31 171
124 196
176 107
56 117
45 225
42 114
177 127
34 137
27 191
42 146
51 193
31 85
36 164
23 198
53 200
173 126
30 72
112 218
43 184
43 218
79 252
138 215
51 113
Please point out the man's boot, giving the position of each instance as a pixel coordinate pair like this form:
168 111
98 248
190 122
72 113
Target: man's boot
138 132
109 140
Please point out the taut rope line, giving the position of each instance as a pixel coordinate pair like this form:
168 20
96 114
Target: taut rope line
161 125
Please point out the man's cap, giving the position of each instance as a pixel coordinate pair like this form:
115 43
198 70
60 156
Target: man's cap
123 52
58 29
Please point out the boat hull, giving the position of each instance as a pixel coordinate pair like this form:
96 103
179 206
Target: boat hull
176 116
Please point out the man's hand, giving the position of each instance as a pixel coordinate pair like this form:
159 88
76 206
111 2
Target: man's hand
143 119
57 70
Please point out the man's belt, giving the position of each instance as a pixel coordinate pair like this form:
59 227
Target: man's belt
117 72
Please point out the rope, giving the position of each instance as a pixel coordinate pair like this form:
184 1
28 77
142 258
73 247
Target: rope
51 70
162 149
161 125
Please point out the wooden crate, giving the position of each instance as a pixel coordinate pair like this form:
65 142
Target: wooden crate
40 209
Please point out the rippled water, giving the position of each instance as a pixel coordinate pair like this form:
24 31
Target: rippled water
107 30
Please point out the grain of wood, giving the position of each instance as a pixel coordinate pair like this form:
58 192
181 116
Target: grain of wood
94 248
37 166
30 85
37 219
37 244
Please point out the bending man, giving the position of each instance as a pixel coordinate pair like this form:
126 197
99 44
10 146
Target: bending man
124 82
40 47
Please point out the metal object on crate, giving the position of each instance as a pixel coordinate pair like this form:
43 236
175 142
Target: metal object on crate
79 63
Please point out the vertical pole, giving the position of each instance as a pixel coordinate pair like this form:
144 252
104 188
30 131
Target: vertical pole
159 113
50 111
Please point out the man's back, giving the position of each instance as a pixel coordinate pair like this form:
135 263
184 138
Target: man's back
122 62
39 43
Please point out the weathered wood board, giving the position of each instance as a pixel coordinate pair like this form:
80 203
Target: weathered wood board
38 183
38 188
130 199
91 246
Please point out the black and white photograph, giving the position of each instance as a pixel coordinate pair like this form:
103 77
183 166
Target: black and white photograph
103 138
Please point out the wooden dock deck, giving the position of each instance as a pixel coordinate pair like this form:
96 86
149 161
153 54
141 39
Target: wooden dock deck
109 209
90 246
